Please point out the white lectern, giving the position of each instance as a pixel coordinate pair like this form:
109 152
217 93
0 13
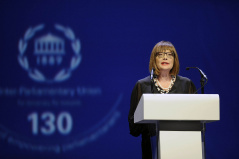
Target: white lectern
178 119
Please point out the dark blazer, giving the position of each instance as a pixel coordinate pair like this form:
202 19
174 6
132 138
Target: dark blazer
182 85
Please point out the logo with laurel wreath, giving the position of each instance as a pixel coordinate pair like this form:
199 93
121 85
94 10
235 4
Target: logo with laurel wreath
45 62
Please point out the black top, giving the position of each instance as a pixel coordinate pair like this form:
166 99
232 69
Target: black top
182 85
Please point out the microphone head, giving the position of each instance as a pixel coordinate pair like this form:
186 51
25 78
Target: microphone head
152 73
187 68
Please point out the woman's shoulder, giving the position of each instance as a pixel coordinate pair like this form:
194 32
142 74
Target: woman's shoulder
185 84
144 80
183 79
143 85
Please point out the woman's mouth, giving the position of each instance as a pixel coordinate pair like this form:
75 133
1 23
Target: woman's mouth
164 63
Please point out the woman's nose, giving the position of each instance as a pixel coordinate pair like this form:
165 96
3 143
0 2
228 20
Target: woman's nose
165 56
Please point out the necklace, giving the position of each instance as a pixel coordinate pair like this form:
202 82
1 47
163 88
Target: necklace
161 89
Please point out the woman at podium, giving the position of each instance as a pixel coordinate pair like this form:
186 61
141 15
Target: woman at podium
165 63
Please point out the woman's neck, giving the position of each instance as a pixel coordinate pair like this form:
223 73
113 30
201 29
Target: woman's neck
164 76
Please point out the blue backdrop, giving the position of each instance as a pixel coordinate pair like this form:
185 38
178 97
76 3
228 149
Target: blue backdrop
67 69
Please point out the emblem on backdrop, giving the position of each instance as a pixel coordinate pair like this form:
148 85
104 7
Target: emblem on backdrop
49 56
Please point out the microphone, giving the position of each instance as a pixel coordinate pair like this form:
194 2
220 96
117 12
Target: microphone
152 74
152 80
203 78
201 72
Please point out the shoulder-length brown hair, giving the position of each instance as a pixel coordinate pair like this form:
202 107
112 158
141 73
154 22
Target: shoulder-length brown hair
161 47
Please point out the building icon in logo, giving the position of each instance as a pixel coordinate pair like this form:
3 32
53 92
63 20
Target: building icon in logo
49 50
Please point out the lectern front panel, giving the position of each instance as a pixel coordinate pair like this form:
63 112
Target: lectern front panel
180 145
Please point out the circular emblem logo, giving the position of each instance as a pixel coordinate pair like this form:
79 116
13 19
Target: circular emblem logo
53 117
49 62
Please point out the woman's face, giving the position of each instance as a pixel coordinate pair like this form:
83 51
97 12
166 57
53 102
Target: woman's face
165 60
